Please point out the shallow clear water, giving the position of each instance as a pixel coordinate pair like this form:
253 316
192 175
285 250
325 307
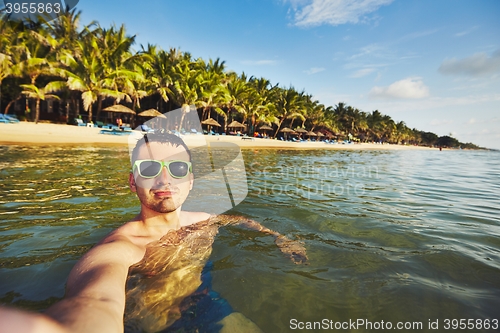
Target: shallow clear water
391 235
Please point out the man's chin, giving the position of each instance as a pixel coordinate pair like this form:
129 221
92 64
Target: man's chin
164 209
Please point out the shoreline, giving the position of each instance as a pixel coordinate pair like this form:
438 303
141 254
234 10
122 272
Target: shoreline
27 133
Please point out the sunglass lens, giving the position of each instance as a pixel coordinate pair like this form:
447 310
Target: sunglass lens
179 169
149 169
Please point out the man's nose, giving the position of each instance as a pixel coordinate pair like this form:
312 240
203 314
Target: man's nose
165 177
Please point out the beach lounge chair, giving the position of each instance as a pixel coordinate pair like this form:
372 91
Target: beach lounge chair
79 122
146 128
114 132
8 118
246 137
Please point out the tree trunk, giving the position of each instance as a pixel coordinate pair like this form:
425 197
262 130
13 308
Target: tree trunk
99 107
134 103
279 126
77 108
10 103
67 111
204 113
37 110
253 124
185 109
90 114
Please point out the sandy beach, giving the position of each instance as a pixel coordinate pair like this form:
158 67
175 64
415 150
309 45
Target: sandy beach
26 133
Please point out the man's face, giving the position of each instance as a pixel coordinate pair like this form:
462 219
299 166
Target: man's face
164 193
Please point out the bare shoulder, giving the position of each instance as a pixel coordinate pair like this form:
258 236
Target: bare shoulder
188 218
105 263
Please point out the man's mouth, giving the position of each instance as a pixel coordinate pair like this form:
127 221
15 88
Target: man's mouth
164 193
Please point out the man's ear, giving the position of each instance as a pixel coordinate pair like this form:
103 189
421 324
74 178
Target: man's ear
191 181
131 182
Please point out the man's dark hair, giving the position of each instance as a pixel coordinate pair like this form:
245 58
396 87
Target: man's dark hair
161 137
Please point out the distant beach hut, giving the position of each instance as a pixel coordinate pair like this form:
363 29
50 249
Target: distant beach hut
301 131
265 128
236 125
152 113
210 122
118 108
310 133
286 131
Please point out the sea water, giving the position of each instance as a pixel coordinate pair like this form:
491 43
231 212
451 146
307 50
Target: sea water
393 237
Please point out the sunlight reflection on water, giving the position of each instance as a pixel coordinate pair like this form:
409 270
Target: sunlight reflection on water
391 235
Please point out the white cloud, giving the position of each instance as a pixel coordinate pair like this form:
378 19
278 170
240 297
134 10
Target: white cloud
472 121
418 34
314 70
372 49
466 32
334 12
259 62
362 72
409 88
479 64
440 122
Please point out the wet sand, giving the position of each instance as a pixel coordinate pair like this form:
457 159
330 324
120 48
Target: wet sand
26 133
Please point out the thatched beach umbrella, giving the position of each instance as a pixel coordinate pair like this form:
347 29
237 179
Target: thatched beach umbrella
210 122
301 130
320 134
156 116
286 130
152 113
310 133
119 109
266 128
236 124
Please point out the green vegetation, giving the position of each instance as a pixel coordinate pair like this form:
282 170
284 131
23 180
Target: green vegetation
82 69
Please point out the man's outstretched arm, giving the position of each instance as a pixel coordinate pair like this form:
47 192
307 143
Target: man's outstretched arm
95 297
95 292
293 249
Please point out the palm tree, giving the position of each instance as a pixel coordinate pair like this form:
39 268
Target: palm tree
37 59
341 116
287 105
38 94
87 74
375 124
158 73
186 89
261 109
236 94
212 84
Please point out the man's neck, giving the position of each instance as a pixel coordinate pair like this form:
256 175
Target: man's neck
160 223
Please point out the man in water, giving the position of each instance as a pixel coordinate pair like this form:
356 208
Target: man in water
156 243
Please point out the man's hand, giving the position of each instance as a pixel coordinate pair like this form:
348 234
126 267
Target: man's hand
295 250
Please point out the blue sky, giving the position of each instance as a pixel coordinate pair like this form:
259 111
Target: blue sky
433 64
